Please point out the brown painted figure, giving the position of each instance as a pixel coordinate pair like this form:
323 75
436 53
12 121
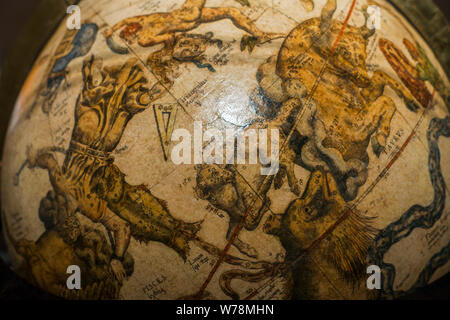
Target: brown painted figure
90 181
170 29
324 95
327 94
164 27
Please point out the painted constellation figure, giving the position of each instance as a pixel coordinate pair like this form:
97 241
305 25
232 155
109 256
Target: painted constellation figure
416 217
76 43
89 180
170 29
336 124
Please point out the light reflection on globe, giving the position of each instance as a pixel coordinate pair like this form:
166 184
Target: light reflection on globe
126 153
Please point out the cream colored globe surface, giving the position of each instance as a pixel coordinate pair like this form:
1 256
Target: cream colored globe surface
260 149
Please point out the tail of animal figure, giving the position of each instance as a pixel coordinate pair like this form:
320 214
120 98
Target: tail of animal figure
115 47
351 241
326 15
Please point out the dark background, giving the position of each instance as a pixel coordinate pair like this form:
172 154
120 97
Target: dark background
14 18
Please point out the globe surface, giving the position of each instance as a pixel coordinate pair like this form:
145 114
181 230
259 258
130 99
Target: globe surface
126 158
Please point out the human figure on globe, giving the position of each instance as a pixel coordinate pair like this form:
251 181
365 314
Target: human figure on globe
170 29
90 181
340 100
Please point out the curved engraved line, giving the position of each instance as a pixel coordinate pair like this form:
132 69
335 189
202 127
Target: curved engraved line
416 217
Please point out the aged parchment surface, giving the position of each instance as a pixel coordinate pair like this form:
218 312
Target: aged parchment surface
363 122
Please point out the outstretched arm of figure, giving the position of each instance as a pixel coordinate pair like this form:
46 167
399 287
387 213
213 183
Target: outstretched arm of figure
239 20
189 13
148 39
125 22
148 36
327 14
148 217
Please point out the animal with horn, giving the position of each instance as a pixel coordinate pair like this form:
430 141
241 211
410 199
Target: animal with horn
319 88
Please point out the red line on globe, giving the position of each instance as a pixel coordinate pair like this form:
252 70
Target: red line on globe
312 245
408 140
349 211
222 256
239 227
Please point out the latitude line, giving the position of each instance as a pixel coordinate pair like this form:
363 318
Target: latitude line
133 52
240 225
299 59
298 118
